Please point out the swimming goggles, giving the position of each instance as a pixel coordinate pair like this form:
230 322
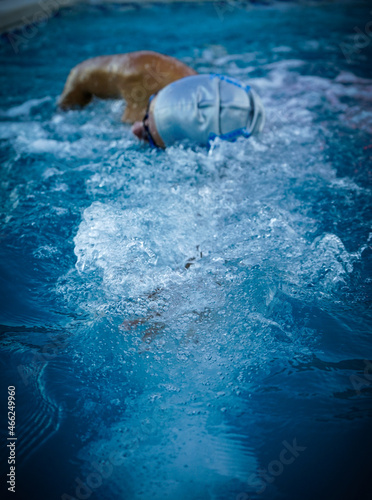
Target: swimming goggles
149 137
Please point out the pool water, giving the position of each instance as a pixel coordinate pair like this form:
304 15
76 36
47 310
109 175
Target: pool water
190 323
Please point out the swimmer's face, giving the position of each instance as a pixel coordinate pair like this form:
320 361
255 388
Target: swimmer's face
139 128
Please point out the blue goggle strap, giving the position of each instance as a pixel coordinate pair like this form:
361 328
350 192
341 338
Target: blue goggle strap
231 136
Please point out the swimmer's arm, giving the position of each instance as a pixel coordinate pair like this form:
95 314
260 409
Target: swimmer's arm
89 78
133 77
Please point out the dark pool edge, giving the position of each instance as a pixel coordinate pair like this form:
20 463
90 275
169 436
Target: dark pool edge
18 13
15 14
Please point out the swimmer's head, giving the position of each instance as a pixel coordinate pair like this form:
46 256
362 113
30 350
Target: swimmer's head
199 108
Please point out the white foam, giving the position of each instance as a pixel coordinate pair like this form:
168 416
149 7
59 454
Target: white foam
25 108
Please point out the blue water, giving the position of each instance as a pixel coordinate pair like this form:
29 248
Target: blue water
190 324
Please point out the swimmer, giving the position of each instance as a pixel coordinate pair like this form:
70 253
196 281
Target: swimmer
167 101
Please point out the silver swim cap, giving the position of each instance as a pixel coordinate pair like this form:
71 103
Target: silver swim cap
201 107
